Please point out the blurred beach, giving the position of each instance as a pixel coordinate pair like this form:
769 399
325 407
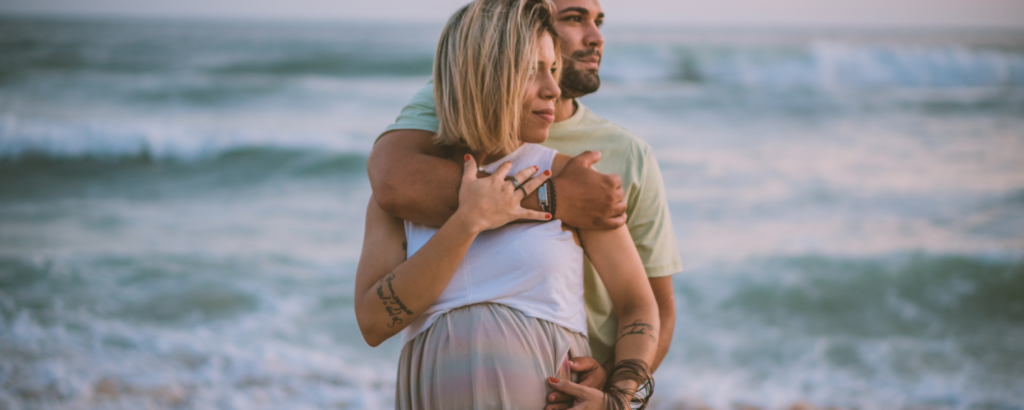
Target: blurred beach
181 211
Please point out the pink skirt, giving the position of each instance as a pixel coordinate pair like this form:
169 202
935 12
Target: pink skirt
484 356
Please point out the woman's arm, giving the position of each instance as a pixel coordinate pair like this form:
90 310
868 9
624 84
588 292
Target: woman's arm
617 263
391 291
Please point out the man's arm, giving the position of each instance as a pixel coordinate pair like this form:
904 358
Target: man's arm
665 296
411 180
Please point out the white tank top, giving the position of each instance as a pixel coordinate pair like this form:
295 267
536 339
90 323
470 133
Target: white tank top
534 267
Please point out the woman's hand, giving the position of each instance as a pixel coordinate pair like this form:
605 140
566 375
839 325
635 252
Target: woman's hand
591 374
586 397
487 203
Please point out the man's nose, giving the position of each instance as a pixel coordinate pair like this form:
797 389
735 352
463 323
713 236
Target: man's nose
593 38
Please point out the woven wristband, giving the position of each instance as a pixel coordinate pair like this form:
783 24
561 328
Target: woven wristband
553 198
636 370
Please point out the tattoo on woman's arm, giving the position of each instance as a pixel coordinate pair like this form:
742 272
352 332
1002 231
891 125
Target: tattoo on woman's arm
637 328
392 303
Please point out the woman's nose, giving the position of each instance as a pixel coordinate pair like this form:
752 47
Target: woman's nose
550 90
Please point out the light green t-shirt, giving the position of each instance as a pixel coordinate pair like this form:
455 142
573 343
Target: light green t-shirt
622 153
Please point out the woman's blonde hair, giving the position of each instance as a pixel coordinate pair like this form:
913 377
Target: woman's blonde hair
484 59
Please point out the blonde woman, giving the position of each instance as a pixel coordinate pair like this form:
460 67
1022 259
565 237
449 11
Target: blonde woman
488 309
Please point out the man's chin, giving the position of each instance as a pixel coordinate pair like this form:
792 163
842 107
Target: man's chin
581 83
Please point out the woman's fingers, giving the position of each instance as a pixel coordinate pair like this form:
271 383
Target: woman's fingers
534 215
502 170
586 397
525 174
535 182
567 387
493 198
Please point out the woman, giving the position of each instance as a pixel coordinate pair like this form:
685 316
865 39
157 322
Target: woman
489 309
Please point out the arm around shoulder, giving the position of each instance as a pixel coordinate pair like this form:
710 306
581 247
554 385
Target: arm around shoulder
411 179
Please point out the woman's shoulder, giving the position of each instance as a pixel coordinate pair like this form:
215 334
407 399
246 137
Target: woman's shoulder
534 154
559 162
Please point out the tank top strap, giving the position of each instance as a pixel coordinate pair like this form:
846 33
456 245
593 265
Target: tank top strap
527 155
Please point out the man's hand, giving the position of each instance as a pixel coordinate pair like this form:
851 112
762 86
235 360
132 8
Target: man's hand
587 199
591 375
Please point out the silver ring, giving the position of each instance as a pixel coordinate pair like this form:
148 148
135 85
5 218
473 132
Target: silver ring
524 191
515 183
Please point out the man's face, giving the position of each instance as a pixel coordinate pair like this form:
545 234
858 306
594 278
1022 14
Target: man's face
578 23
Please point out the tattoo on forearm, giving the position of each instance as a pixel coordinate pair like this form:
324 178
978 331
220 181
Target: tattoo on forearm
638 328
392 303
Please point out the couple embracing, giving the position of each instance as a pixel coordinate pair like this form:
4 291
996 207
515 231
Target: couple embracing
525 277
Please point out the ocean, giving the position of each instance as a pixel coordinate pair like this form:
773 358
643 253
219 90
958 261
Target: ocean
182 202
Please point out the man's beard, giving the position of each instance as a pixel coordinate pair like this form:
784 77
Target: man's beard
577 83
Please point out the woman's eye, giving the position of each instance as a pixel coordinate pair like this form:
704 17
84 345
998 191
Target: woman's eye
553 70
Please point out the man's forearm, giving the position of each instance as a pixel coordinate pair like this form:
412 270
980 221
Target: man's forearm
411 180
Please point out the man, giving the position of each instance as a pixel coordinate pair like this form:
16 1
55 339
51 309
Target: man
412 182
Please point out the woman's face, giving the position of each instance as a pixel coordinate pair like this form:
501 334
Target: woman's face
538 111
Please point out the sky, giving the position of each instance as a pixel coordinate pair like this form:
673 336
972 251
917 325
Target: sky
770 13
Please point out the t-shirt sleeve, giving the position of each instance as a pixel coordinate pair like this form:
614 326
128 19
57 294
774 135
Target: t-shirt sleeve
649 222
419 114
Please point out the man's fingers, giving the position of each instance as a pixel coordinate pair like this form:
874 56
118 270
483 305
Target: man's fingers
525 174
535 182
591 373
559 406
588 158
559 397
619 208
469 169
614 222
616 180
559 401
582 364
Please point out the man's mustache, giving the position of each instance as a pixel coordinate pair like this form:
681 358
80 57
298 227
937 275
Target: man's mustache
578 54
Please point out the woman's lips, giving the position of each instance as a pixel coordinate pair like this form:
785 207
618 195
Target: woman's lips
546 115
